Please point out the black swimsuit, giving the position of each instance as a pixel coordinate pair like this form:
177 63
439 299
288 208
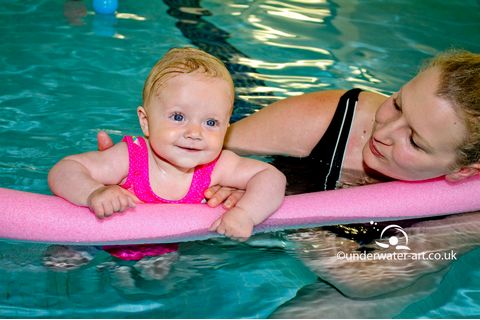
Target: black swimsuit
321 169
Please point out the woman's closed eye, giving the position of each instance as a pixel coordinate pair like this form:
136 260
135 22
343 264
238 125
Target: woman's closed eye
412 142
396 105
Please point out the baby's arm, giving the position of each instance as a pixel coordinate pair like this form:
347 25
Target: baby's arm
264 193
91 179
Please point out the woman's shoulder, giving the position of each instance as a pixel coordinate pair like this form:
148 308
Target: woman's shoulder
371 100
331 97
316 99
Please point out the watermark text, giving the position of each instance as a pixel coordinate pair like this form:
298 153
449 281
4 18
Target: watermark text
399 256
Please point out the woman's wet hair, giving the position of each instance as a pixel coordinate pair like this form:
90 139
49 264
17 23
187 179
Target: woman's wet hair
460 84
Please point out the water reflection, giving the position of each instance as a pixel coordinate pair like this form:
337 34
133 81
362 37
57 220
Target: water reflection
254 63
104 25
75 11
377 287
255 278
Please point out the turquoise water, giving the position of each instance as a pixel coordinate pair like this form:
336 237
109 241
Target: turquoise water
67 73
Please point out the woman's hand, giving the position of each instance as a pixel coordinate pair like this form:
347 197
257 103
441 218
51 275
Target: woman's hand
104 141
217 194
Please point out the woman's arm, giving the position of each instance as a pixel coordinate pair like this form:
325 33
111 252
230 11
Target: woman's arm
291 126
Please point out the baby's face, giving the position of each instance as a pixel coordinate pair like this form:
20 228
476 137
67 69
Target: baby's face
188 119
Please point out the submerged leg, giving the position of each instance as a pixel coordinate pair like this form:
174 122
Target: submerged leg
362 278
64 258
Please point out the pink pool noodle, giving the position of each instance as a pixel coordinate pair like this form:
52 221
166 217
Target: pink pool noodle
35 217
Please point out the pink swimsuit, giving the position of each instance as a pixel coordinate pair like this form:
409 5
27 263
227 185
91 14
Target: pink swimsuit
138 182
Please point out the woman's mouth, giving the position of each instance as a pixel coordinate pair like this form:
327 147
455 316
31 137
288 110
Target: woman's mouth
373 149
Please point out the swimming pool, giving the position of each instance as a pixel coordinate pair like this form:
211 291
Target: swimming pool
66 73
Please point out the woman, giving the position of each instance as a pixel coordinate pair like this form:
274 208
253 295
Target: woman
429 128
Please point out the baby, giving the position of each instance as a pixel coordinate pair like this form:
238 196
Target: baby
187 103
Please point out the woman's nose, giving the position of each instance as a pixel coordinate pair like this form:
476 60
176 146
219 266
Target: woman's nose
388 132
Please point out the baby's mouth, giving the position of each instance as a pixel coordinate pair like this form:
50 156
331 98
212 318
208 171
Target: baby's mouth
189 149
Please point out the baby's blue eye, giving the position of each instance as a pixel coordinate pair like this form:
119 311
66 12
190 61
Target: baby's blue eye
177 117
211 122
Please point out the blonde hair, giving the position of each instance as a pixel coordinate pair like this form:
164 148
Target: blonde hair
460 84
182 61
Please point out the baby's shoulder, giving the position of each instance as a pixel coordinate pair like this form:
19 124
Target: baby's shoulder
227 154
228 159
226 163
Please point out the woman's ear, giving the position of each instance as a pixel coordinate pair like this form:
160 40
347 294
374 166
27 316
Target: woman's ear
143 119
463 173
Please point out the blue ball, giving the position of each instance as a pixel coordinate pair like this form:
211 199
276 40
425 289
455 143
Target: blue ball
105 6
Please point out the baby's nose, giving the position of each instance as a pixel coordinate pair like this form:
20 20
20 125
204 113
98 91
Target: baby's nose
193 131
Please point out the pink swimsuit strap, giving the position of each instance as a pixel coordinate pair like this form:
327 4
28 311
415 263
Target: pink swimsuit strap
138 180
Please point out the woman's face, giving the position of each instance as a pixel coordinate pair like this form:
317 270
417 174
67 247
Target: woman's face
416 133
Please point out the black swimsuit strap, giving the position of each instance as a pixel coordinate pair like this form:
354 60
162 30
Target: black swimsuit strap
331 147
321 169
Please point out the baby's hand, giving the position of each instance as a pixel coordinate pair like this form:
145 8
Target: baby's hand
235 224
106 200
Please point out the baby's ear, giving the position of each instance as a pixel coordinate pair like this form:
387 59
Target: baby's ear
143 119
463 173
